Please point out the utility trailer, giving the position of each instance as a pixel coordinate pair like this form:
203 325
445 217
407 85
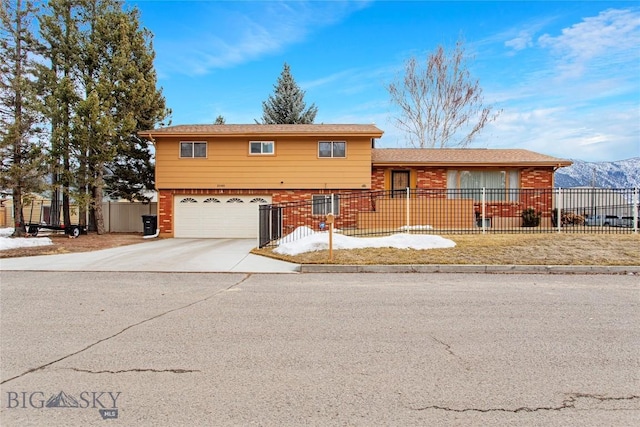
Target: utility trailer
72 230
47 221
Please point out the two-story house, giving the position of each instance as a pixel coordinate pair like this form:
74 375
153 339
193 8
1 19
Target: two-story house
210 178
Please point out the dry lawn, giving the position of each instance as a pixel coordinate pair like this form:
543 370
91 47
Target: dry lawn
494 249
62 244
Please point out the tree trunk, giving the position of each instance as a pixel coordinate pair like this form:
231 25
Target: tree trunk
20 229
65 206
82 214
97 201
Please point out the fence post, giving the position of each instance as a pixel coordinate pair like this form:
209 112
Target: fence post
484 211
331 204
408 206
636 208
559 209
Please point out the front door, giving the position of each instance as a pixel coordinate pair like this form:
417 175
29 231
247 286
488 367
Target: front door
399 183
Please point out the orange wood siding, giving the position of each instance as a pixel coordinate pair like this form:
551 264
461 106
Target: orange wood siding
295 165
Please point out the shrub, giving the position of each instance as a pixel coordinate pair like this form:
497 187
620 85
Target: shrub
530 218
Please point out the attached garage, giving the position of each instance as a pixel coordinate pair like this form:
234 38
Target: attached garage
220 217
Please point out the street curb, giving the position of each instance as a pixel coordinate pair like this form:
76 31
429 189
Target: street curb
459 268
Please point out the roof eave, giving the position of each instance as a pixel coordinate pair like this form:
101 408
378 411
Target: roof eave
557 164
147 134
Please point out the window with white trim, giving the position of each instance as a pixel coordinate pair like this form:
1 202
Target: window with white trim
262 147
193 149
332 149
321 204
499 185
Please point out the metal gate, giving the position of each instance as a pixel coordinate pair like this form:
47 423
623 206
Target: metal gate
269 224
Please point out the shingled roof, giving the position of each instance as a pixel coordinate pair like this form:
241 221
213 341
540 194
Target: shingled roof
265 130
463 157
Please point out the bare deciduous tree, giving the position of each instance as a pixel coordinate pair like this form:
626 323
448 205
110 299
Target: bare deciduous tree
440 103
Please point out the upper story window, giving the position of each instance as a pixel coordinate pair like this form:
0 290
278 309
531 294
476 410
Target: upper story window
332 149
262 147
192 149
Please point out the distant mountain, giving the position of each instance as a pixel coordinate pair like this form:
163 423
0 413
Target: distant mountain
620 174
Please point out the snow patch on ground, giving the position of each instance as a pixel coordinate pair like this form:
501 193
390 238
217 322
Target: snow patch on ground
304 239
7 242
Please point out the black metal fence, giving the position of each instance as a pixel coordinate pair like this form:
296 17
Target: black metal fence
456 211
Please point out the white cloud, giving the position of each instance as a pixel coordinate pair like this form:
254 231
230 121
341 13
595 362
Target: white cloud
330 79
577 95
242 32
567 132
600 42
522 41
517 38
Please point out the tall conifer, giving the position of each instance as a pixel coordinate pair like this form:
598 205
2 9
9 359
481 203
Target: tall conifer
22 167
59 30
102 91
286 105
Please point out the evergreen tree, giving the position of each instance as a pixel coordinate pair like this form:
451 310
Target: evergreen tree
286 105
107 88
20 118
59 29
138 104
131 174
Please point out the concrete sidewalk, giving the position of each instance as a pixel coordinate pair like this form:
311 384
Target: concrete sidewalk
468 268
165 255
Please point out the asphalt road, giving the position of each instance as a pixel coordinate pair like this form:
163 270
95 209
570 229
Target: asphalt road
172 349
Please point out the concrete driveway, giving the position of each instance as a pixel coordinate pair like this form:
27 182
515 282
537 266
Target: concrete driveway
165 255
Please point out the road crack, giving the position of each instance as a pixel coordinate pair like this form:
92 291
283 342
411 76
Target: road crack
448 349
567 403
123 371
446 346
157 316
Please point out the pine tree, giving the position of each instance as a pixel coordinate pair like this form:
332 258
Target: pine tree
20 119
121 96
286 105
59 29
138 105
106 86
131 174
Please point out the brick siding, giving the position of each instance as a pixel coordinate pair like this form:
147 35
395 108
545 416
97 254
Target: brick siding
435 178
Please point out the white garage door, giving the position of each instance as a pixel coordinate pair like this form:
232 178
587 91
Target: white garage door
218 217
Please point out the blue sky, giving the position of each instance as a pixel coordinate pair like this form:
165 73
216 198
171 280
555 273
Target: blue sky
566 75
